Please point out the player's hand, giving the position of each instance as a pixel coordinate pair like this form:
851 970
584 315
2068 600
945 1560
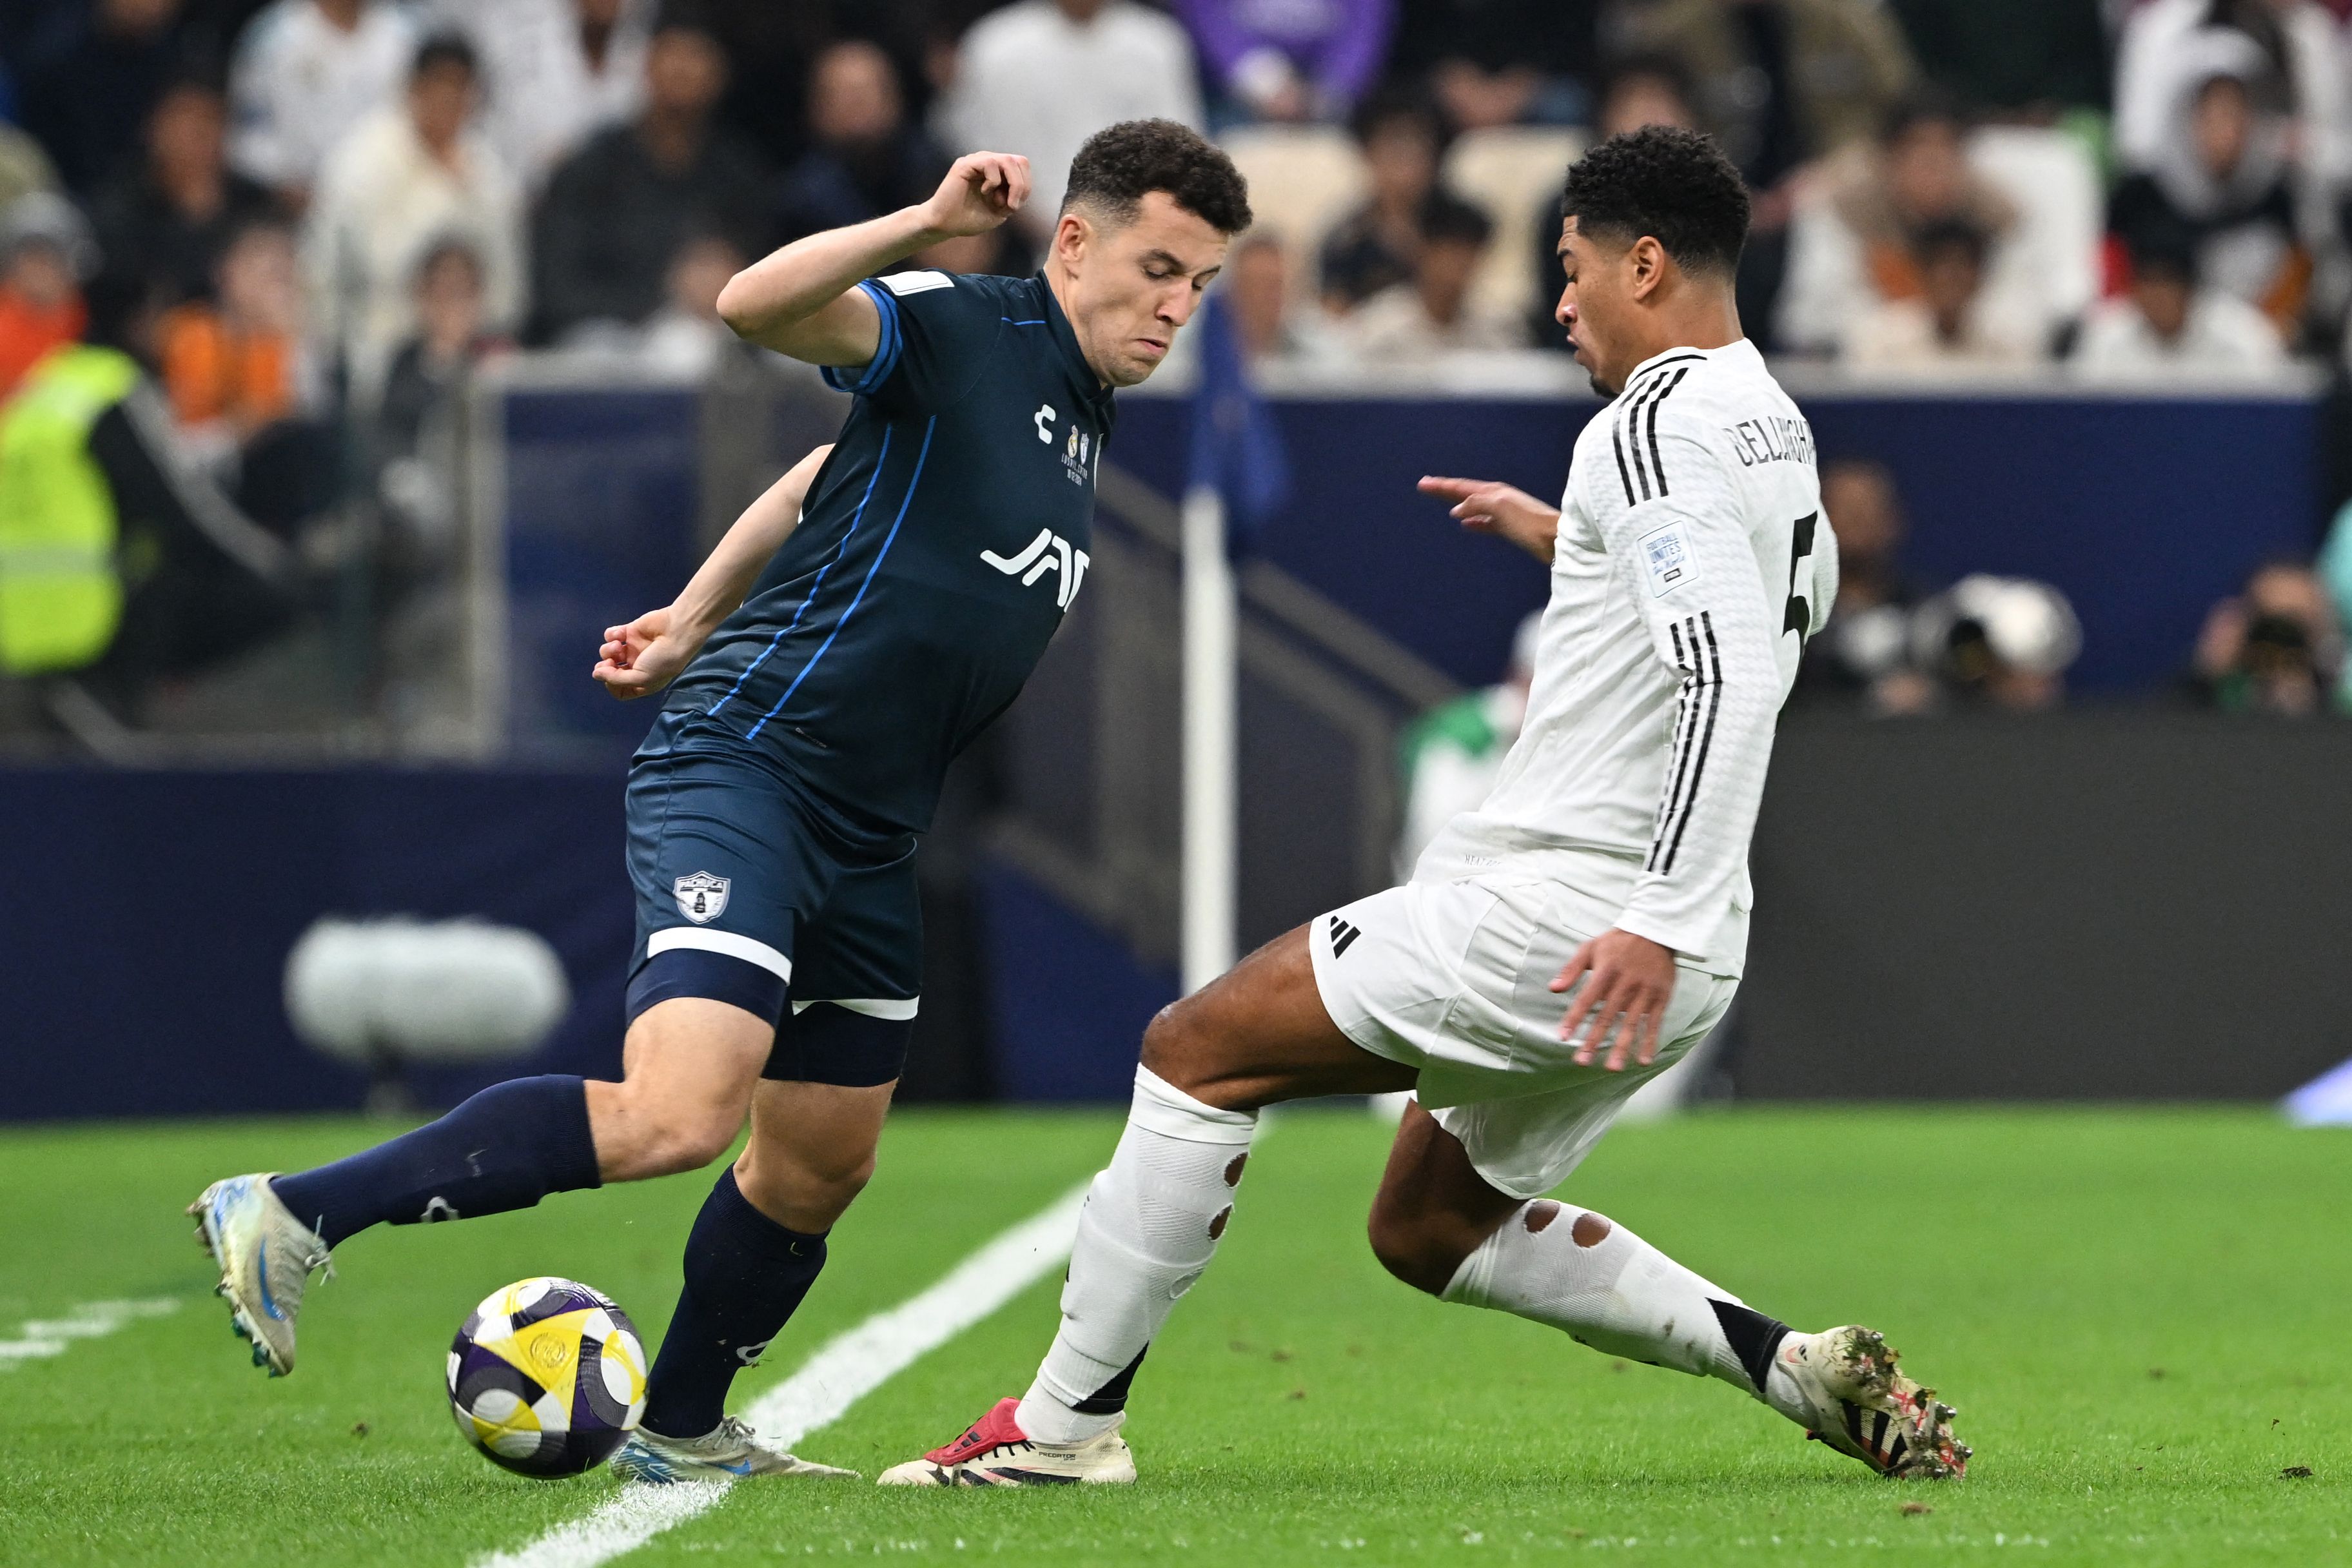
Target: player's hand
643 657
980 191
1487 506
1628 981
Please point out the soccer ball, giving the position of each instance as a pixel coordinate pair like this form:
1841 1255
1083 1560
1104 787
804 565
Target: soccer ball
547 1377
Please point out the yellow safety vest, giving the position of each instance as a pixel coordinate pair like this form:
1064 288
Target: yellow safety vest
60 593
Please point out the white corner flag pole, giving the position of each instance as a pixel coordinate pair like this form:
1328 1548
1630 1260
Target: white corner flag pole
1210 753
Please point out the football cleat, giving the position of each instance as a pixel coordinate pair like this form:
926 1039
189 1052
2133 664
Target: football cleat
729 1451
266 1257
1864 1408
994 1453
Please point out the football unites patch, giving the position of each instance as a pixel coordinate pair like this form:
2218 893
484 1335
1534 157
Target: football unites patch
547 1377
1666 558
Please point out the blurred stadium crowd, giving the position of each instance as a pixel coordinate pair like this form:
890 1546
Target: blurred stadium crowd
250 248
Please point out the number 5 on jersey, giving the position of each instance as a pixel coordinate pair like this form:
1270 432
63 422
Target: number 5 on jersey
1799 617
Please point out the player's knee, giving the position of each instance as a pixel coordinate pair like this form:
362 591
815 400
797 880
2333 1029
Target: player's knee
1170 1046
1414 1251
836 1183
807 1190
674 1139
692 1145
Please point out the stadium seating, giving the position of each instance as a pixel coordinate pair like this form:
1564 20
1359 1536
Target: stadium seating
1510 170
2054 180
1303 179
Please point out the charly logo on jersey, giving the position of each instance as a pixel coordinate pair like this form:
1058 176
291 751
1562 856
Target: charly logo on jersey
700 897
1078 447
1049 552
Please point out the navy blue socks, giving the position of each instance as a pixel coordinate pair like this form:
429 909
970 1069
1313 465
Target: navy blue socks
506 1148
745 1274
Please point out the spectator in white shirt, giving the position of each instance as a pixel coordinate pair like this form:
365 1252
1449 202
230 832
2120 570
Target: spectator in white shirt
412 176
1951 325
2168 326
1435 314
308 73
1040 77
2165 44
553 71
1853 243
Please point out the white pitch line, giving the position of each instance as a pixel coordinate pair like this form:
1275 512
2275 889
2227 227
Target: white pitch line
844 1371
44 1337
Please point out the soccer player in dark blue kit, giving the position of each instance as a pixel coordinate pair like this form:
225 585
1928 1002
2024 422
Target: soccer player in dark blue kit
860 624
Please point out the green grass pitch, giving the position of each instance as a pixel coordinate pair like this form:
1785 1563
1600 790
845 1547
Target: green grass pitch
2141 1316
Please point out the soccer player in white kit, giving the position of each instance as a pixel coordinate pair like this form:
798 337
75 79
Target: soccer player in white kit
1561 945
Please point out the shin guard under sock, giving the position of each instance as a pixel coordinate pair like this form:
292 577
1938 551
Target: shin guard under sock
1149 1227
745 1274
1623 1298
506 1148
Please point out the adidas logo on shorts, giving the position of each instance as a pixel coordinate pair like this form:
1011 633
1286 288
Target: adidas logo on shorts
1342 933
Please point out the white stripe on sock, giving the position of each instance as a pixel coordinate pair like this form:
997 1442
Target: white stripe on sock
844 1371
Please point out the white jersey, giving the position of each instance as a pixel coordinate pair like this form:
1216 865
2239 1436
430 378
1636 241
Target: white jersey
1691 562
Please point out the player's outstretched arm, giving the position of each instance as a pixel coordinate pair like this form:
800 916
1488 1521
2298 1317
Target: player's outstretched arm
803 299
646 655
1487 506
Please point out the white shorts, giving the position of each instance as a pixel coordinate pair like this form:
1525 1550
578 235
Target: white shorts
1453 978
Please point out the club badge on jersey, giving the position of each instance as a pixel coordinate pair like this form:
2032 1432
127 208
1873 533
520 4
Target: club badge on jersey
701 898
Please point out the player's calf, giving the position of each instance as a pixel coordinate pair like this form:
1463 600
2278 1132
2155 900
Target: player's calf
1433 1209
756 1250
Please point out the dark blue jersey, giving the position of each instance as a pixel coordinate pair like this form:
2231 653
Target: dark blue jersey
937 553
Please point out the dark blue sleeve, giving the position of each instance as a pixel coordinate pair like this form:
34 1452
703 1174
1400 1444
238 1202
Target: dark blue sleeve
936 338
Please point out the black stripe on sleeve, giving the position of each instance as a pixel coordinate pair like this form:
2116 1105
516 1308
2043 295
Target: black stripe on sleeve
1631 407
1657 462
1705 739
1628 420
1686 725
1623 478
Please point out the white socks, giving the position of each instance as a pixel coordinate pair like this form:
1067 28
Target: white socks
1149 1226
1623 1298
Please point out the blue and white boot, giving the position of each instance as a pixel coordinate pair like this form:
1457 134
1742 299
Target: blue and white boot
266 1257
729 1451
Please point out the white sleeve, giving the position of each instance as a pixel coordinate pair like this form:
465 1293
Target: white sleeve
1671 514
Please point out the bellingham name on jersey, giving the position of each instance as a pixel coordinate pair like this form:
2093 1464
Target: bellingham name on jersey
937 553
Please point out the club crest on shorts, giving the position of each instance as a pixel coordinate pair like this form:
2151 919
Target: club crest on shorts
700 897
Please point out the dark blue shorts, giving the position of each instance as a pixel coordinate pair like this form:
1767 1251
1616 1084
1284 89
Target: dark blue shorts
748 895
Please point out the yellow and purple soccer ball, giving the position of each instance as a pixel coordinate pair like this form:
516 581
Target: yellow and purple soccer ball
547 1378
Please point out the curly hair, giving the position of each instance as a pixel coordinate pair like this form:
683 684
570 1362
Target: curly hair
1122 163
1674 185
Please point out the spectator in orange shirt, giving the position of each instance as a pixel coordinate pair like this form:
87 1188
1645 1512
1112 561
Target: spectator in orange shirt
45 253
235 367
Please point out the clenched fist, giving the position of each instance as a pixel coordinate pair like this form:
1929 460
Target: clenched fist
980 191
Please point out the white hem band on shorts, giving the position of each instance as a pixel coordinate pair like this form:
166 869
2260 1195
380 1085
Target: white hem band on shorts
898 1009
720 942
